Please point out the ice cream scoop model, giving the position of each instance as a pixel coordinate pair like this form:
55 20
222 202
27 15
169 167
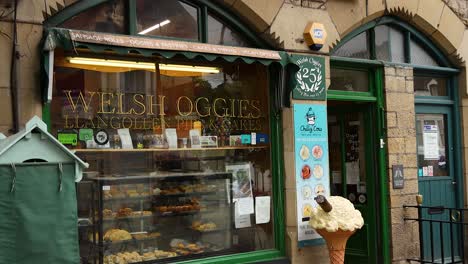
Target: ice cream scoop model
335 220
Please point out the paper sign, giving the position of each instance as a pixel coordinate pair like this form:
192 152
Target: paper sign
125 138
171 135
262 209
424 171
106 187
86 134
431 142
245 206
253 138
241 221
430 171
352 172
67 138
245 139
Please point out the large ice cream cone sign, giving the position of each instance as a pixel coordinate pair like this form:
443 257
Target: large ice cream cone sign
336 220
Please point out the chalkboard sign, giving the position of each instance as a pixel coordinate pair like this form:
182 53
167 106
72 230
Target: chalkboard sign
398 177
310 79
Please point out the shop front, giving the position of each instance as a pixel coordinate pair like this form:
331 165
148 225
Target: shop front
181 133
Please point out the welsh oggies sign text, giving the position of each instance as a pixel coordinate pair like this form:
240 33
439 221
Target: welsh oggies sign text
310 79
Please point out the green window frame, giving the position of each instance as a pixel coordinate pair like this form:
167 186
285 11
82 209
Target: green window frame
204 7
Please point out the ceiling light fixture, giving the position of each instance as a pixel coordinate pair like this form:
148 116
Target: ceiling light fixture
165 22
140 65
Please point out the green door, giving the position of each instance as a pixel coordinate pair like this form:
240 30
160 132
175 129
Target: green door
353 171
437 181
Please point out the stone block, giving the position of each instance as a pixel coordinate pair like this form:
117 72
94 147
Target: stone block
288 139
428 15
5 53
409 84
399 102
411 173
398 200
6 118
375 9
355 14
393 159
400 71
391 119
410 145
259 13
396 145
290 210
389 71
409 160
291 30
408 6
31 11
289 169
399 132
407 119
449 34
395 84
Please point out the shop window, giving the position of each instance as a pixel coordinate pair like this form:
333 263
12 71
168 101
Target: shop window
430 86
349 80
355 48
178 153
107 17
221 34
167 18
420 56
389 44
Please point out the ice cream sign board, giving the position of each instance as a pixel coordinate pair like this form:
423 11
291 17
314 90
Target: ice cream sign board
311 165
310 79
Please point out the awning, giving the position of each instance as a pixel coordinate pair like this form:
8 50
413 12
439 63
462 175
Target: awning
124 44
97 42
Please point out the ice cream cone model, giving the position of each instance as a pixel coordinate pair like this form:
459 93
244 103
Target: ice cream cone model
335 220
336 243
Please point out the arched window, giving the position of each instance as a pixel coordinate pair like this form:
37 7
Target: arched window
390 40
185 20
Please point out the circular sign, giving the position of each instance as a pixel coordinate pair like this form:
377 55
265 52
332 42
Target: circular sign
101 137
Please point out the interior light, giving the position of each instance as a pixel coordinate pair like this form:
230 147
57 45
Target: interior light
140 65
189 68
113 63
165 22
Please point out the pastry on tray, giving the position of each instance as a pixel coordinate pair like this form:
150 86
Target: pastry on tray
114 235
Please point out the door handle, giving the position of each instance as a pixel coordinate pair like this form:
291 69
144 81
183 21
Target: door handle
454 183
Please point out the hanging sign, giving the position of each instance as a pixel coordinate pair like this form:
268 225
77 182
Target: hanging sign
310 79
431 142
398 177
311 165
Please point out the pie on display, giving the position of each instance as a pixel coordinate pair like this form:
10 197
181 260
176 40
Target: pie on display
306 210
319 189
306 192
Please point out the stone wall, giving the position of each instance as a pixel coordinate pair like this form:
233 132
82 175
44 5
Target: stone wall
401 145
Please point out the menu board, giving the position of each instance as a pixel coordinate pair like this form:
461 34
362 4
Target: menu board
311 165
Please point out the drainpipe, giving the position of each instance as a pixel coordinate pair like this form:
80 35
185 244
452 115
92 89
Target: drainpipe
14 74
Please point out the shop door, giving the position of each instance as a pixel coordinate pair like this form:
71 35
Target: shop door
436 179
353 162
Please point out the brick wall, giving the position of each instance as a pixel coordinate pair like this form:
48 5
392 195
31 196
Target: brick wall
401 144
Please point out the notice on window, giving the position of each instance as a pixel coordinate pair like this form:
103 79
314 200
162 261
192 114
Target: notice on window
431 142
262 209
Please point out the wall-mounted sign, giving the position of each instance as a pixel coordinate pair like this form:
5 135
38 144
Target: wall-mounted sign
311 165
310 79
398 177
315 35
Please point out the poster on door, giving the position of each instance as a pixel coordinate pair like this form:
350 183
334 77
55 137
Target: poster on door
311 165
431 142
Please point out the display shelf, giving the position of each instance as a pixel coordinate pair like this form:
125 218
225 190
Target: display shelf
121 218
188 194
126 199
169 150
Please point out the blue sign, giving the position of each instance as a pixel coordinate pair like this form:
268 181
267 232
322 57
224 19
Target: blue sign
311 166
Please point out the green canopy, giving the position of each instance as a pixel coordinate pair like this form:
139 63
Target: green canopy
96 42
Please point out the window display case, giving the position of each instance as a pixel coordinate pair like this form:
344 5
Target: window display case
181 209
